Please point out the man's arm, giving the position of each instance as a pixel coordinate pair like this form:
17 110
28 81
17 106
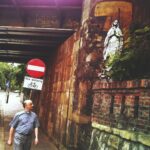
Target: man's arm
10 138
36 136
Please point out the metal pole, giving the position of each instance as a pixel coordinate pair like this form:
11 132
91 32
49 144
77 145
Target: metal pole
7 98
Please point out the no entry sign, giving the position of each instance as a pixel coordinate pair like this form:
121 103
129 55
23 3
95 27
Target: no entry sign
35 68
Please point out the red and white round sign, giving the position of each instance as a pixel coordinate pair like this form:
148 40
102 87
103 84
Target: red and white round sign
36 68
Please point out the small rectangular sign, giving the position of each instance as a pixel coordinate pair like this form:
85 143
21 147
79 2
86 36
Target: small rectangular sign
32 83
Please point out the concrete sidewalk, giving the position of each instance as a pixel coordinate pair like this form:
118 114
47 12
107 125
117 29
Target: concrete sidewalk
7 111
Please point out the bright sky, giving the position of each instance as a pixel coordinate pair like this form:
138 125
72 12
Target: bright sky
14 64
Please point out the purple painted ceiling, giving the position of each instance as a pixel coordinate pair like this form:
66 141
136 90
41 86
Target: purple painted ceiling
71 3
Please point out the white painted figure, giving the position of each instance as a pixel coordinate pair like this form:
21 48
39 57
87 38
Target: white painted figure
113 41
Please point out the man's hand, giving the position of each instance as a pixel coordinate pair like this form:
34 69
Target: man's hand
36 141
11 132
9 142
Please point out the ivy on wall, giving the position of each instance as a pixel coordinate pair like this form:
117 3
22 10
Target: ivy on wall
134 61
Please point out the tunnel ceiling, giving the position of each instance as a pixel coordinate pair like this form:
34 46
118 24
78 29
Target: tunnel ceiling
20 44
35 28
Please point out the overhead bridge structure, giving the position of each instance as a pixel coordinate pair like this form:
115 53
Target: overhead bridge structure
20 44
36 28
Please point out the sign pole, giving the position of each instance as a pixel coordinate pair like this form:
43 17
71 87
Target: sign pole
7 98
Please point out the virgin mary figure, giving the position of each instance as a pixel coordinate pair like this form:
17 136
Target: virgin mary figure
114 41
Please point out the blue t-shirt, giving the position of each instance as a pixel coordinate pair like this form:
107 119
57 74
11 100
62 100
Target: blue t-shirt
24 122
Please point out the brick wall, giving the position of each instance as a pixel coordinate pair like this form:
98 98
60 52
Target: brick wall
122 110
124 105
55 102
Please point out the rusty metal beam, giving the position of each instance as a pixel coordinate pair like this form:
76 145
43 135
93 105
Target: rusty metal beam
27 48
19 59
20 56
24 43
33 29
23 51
26 36
28 42
32 34
15 52
36 31
13 42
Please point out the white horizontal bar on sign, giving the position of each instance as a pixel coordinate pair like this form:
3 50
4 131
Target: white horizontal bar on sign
36 68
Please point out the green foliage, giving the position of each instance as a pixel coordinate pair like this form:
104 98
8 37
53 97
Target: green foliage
20 73
5 74
134 61
14 74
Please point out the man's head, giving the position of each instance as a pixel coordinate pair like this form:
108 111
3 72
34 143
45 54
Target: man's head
28 105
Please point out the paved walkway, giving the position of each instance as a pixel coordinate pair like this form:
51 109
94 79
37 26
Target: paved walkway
7 111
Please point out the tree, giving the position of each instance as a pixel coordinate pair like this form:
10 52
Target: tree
12 74
20 73
5 74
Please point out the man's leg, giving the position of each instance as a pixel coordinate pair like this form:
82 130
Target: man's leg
18 141
28 143
18 146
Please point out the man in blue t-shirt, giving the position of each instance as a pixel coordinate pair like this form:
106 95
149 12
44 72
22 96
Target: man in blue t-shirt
23 124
